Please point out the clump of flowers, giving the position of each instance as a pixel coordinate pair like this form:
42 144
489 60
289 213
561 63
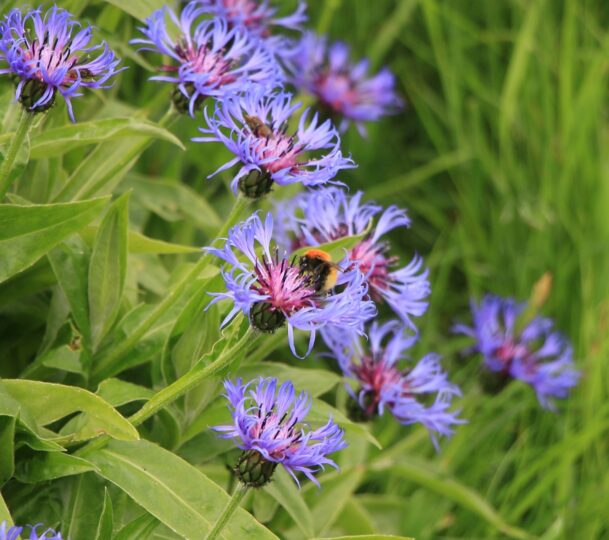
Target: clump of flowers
210 58
13 533
515 348
255 128
49 53
385 378
345 90
273 290
325 215
269 424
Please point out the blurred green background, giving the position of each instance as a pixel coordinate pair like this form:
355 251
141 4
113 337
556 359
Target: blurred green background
501 157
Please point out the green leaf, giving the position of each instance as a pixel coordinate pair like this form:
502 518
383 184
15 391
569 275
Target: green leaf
84 496
172 490
64 358
284 491
139 243
28 232
106 520
140 9
367 537
425 475
314 381
48 402
326 504
70 263
174 201
117 392
107 269
50 466
7 447
5 515
58 141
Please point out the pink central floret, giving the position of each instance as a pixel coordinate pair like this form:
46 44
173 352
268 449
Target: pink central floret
336 90
286 287
374 264
51 58
510 350
375 375
280 150
202 60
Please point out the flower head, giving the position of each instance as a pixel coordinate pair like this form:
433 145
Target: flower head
383 384
268 422
533 352
271 289
342 88
325 215
257 17
12 533
210 58
50 53
254 127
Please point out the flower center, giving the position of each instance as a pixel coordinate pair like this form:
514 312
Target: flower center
288 291
374 264
273 145
202 60
374 375
336 89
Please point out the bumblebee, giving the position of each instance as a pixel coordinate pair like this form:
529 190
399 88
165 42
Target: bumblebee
319 268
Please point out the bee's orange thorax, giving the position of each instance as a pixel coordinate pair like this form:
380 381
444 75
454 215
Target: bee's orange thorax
319 254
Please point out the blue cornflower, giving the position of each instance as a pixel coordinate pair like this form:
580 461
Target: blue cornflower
382 384
49 53
254 127
12 533
272 289
211 58
269 423
344 89
319 216
257 17
532 351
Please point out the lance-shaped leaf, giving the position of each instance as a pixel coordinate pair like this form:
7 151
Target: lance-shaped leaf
28 232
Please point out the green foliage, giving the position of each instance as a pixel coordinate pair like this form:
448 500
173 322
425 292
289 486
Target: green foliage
500 157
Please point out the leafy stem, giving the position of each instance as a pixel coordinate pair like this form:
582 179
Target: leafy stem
6 167
228 511
198 373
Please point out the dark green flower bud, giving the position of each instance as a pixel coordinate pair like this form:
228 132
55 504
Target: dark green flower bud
253 470
256 184
31 92
266 318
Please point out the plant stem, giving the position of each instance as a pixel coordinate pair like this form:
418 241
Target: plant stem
189 380
228 511
108 364
23 127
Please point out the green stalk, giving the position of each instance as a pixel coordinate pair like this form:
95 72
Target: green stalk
228 511
23 127
109 363
197 374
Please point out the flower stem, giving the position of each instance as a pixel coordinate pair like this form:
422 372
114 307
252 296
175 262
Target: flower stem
23 127
192 378
228 511
108 364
